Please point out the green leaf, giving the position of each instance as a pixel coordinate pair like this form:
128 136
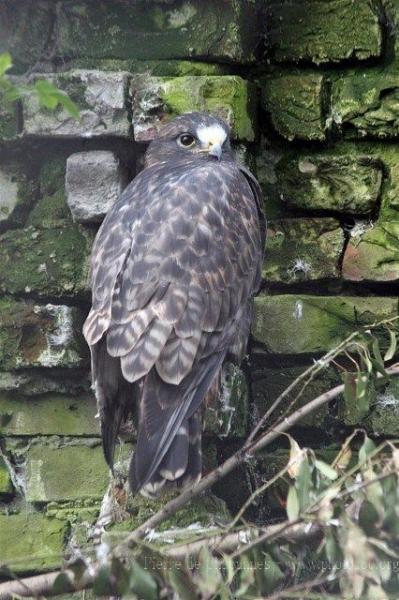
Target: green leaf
367 448
62 584
5 63
303 483
182 583
142 582
247 576
273 575
209 576
102 584
50 97
325 469
389 354
292 504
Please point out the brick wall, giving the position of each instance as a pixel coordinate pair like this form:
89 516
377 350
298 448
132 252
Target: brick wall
310 89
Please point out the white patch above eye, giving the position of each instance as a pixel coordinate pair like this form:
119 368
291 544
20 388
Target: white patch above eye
211 134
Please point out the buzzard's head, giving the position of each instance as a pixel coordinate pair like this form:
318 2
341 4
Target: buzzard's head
194 136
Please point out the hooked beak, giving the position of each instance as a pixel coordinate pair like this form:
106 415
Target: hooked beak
215 150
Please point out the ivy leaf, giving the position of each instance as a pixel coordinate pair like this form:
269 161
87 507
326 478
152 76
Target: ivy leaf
292 504
209 576
303 483
325 469
50 97
5 63
367 448
142 582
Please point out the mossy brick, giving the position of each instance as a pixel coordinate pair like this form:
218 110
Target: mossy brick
34 335
25 32
195 29
156 100
297 324
17 194
29 541
322 31
227 416
9 122
101 97
6 487
67 473
366 103
349 184
36 382
373 254
295 103
268 383
47 414
303 250
47 262
51 210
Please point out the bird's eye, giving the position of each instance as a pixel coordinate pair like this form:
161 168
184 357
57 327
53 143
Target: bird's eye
186 140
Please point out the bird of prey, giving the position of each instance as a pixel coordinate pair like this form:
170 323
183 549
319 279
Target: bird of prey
174 268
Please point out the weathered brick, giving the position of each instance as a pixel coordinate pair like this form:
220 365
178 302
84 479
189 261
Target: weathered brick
94 181
25 32
303 250
40 335
323 182
159 99
295 103
365 103
30 541
68 473
48 262
297 324
269 383
372 253
228 31
47 414
100 96
17 194
322 31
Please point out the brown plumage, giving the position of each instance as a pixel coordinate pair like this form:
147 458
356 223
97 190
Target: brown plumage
175 265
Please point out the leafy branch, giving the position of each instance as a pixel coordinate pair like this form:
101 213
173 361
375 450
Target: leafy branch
49 96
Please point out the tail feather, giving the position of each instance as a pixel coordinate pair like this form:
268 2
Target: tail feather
154 451
194 464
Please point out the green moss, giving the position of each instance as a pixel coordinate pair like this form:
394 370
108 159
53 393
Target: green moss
295 324
47 414
231 97
206 510
367 104
303 250
295 102
51 210
157 68
383 419
51 262
331 31
29 541
6 487
68 473
8 123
